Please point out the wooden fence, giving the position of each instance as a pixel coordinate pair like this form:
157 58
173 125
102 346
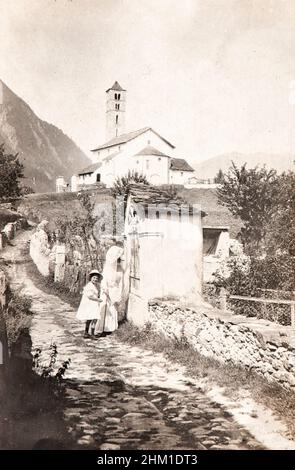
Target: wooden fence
263 301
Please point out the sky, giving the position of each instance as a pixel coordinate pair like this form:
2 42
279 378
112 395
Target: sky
211 76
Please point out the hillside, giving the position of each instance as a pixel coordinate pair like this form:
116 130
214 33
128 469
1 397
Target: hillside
210 167
45 150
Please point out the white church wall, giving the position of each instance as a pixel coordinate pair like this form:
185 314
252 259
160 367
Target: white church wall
156 168
180 177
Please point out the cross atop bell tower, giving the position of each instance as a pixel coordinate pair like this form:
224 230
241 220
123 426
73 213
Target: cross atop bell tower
115 111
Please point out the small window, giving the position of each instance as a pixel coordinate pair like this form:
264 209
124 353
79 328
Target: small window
115 96
157 215
117 117
118 106
119 96
181 173
159 159
149 142
147 163
98 178
168 215
137 161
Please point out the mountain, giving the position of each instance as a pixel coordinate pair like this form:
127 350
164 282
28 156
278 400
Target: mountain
209 168
45 150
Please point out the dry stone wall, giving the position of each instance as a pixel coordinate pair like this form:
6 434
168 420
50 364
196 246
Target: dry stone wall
259 345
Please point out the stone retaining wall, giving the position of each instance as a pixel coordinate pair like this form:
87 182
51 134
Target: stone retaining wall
264 347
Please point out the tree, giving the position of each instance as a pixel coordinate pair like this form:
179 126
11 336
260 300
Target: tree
280 229
11 172
219 177
122 184
253 196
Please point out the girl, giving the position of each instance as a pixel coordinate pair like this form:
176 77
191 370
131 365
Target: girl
89 308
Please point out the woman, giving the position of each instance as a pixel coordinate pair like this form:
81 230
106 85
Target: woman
111 292
89 309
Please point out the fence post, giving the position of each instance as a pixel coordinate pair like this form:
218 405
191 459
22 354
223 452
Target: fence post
293 315
60 259
223 303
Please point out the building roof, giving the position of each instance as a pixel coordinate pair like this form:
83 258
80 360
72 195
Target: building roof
116 87
144 194
122 139
180 164
89 169
149 150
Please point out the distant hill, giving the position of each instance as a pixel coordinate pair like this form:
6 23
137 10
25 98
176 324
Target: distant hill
210 167
45 150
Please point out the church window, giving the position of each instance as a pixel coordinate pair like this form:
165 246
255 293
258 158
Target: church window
119 96
115 96
118 106
157 214
117 119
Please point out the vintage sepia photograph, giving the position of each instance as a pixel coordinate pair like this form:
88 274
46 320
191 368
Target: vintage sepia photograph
147 229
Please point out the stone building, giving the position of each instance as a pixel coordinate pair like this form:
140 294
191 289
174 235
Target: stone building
163 249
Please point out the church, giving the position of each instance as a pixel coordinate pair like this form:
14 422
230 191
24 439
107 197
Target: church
144 151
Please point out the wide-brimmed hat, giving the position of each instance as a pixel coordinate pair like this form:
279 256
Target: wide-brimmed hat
94 272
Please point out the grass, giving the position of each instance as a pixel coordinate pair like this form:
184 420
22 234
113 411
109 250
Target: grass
54 206
228 376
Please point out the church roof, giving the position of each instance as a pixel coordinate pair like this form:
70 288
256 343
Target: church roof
122 139
149 150
116 87
89 169
180 164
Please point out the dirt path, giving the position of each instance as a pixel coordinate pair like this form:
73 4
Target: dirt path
123 397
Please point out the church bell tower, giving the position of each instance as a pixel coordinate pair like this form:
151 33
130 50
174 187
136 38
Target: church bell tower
115 111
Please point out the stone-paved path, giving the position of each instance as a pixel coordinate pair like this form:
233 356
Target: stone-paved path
120 396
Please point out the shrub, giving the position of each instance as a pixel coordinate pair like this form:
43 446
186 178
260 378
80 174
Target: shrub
49 372
17 315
